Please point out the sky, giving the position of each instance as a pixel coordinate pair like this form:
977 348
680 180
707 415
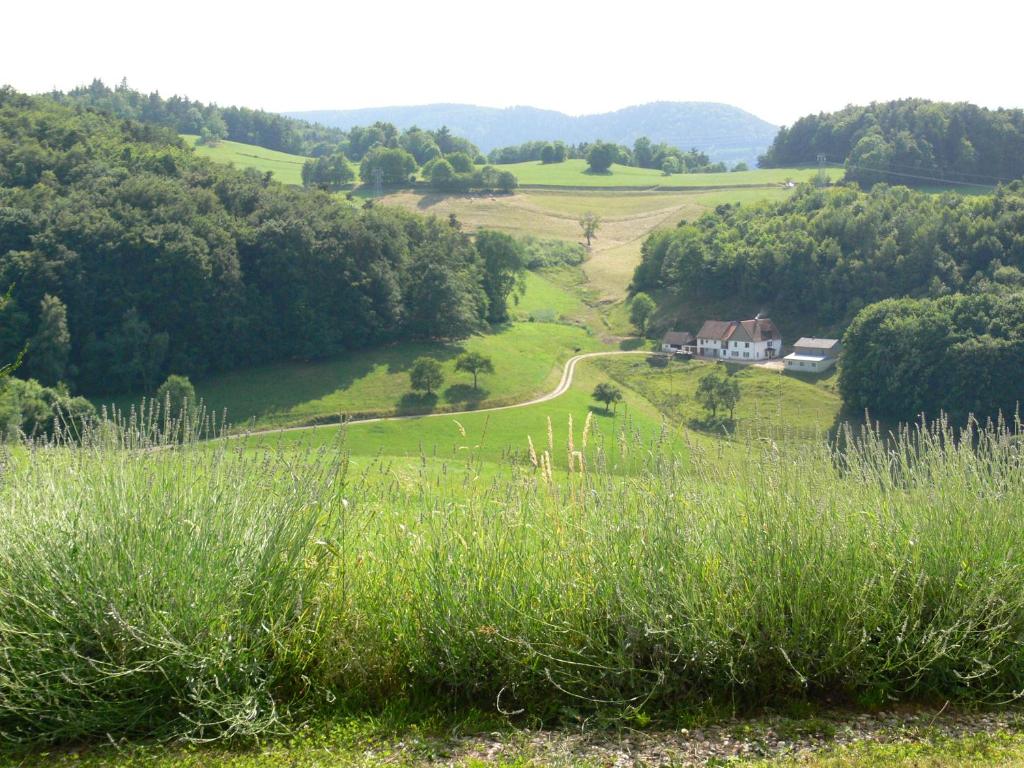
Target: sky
778 60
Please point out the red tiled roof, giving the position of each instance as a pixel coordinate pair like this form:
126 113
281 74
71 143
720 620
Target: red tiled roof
758 329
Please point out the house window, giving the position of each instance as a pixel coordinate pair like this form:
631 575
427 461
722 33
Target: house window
735 354
747 344
746 354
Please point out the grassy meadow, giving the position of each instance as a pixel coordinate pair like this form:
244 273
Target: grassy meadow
488 439
286 168
574 173
527 357
771 402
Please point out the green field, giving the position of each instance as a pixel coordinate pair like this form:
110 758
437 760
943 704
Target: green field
491 437
573 173
527 361
771 402
286 168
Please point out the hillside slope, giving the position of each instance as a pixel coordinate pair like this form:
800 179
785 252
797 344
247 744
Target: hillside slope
725 132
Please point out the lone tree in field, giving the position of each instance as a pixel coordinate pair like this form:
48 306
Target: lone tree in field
608 394
589 223
474 363
640 311
425 375
601 155
717 389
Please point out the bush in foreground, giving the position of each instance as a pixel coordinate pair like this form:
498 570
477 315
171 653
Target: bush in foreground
212 590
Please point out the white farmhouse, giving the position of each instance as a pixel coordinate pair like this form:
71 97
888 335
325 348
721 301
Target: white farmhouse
740 341
812 355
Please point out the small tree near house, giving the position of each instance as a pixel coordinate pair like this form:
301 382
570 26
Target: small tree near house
474 363
426 375
717 389
608 394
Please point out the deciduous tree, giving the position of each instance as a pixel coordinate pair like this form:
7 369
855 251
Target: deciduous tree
640 311
589 223
607 393
426 375
475 364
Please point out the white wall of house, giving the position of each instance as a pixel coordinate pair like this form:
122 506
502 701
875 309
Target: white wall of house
739 351
808 363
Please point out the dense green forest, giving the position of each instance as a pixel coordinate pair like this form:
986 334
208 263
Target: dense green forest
826 253
643 154
131 257
912 142
956 355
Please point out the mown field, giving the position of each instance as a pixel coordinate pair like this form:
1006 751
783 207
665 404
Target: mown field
574 173
286 168
627 218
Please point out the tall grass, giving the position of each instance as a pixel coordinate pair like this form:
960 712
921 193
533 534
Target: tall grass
212 590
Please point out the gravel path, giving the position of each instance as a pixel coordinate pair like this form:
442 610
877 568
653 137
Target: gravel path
735 740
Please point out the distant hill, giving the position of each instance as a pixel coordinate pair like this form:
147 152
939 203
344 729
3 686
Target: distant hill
724 132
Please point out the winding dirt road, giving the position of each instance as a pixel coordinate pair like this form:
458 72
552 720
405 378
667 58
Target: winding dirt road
561 389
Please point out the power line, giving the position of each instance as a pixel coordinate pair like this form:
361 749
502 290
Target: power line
903 174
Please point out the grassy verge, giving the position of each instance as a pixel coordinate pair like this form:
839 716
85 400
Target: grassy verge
231 590
372 743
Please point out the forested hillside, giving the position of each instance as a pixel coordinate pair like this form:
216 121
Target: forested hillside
265 129
911 142
131 257
826 253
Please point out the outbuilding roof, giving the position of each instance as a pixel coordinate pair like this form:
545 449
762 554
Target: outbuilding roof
812 342
679 338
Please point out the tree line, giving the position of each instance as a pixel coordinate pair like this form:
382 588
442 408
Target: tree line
381 151
130 258
600 155
911 141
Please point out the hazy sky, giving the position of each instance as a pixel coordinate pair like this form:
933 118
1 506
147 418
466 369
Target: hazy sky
778 60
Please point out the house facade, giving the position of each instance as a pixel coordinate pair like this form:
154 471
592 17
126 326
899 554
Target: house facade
679 343
813 355
739 341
